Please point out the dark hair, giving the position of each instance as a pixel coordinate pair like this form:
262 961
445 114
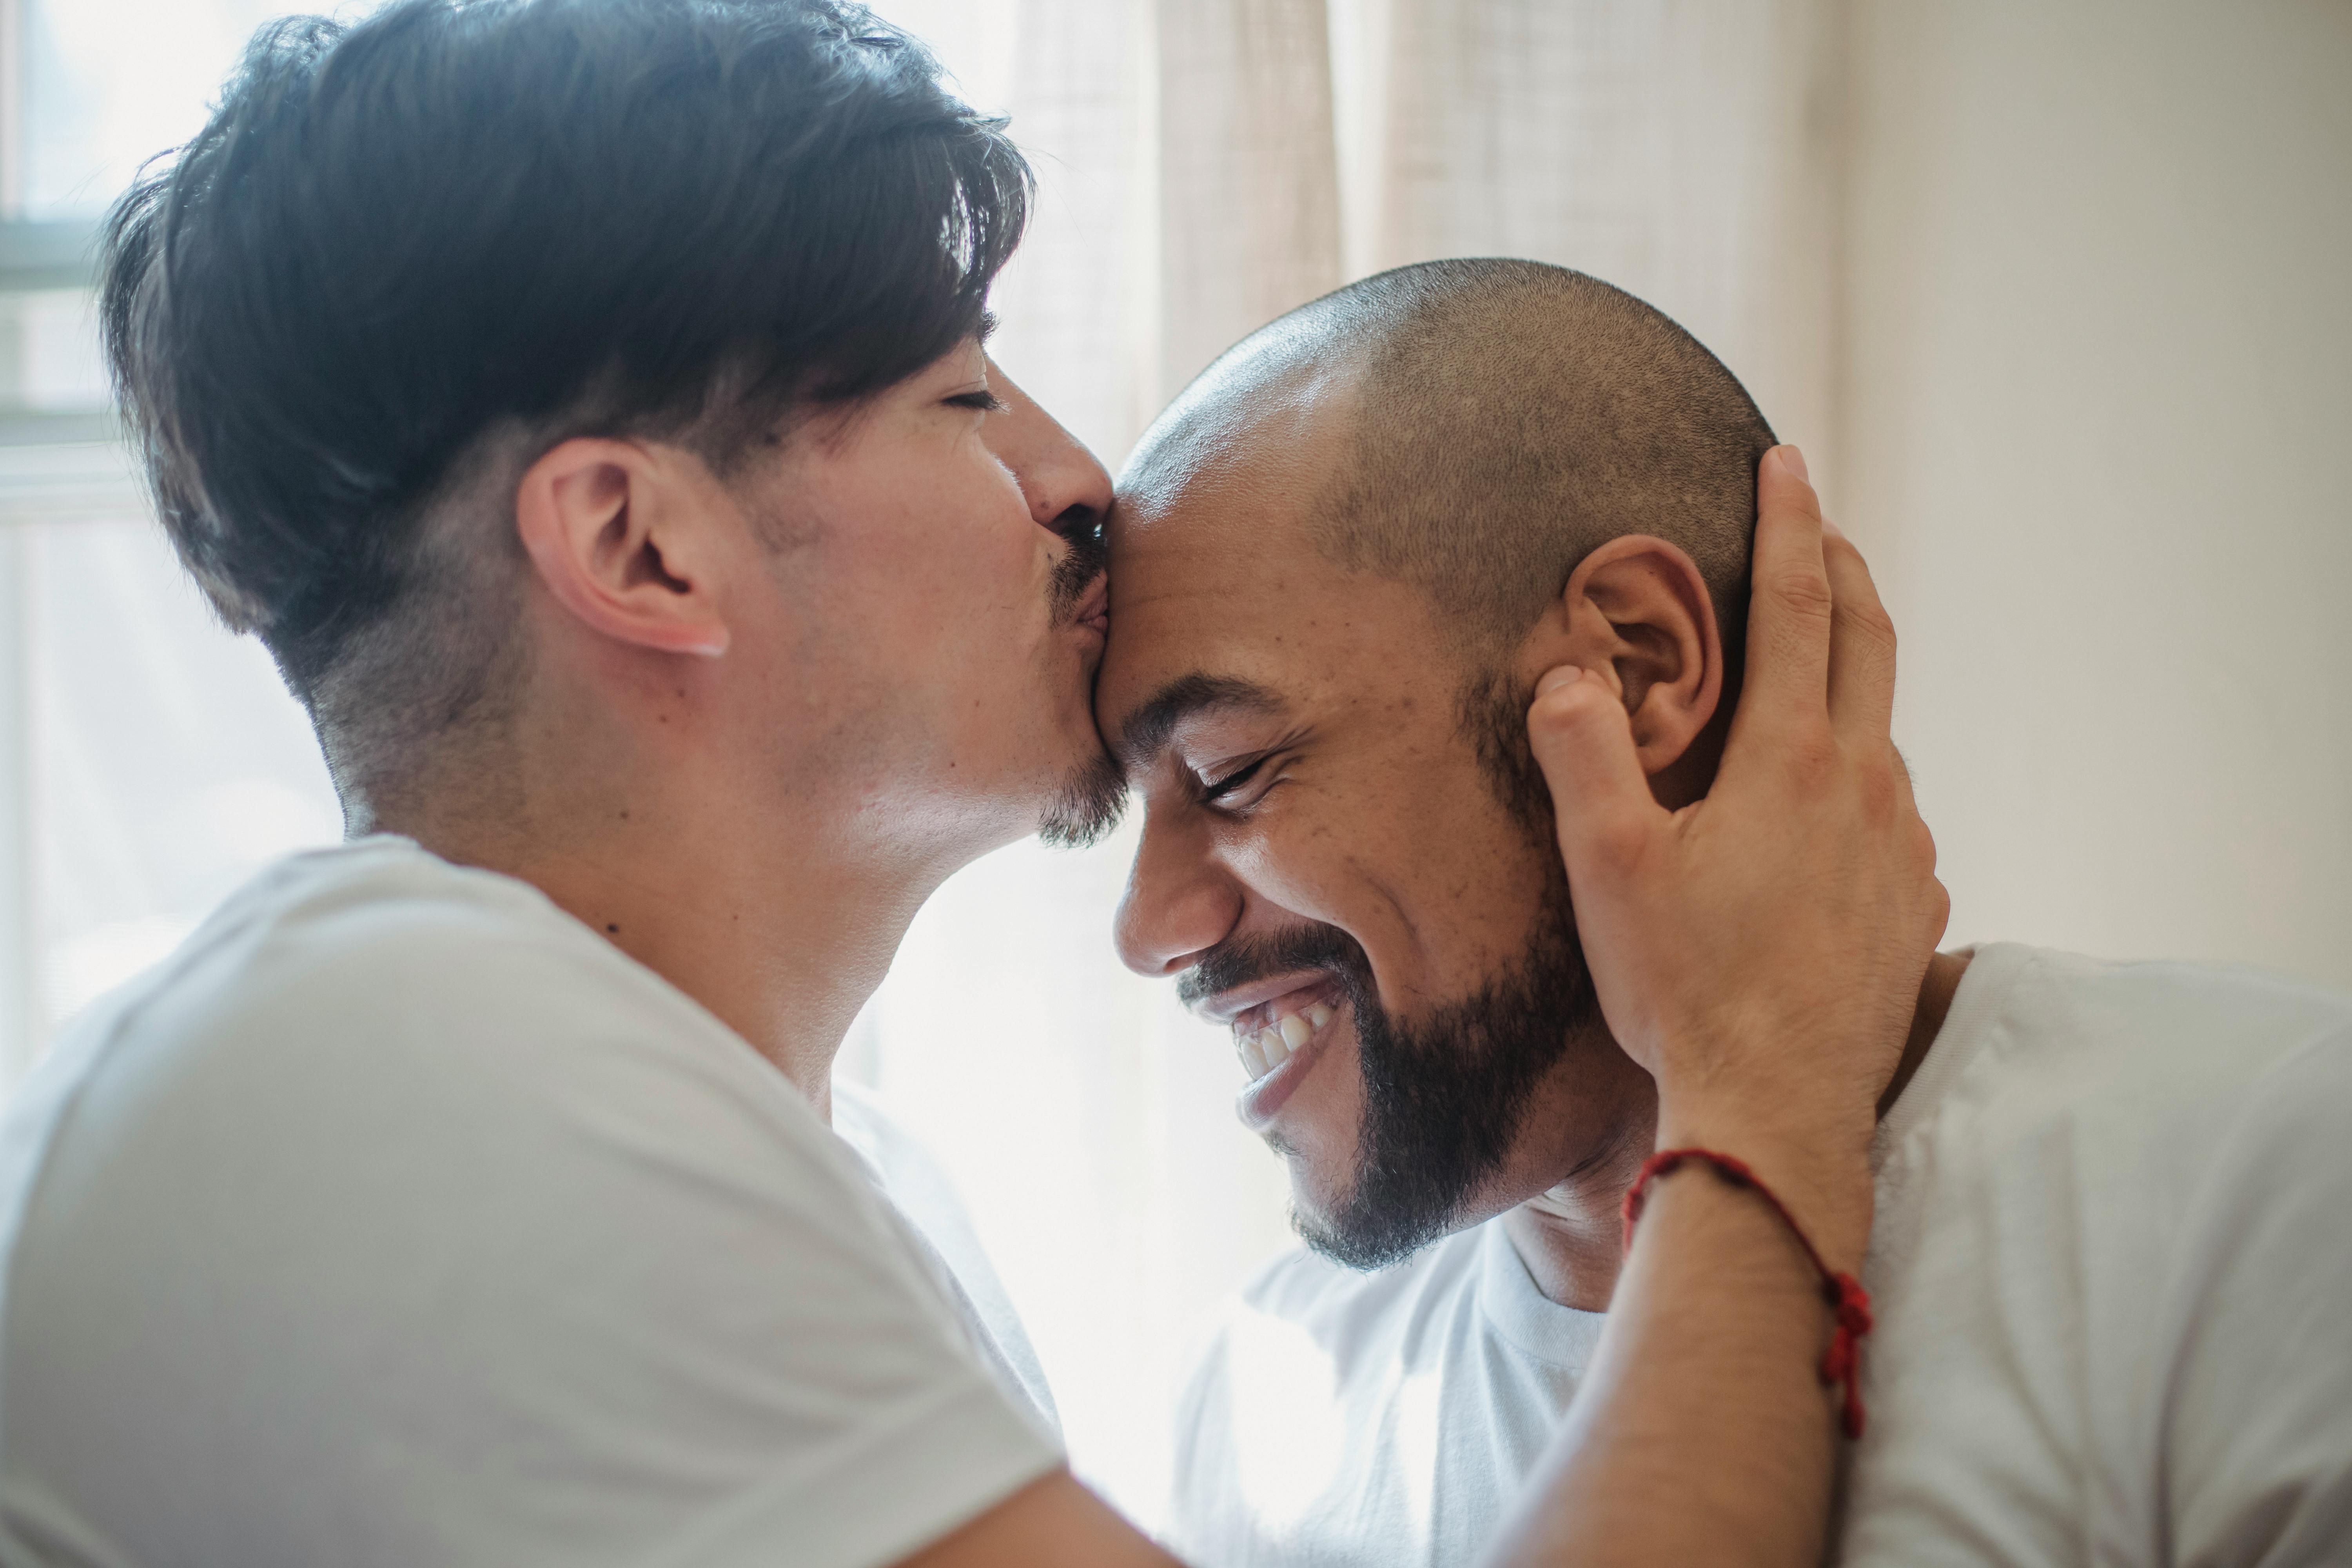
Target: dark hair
672 218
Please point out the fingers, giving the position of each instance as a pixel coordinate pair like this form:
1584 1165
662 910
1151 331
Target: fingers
1791 606
1861 647
1584 740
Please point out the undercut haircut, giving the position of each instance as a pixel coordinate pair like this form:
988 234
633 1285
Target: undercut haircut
407 256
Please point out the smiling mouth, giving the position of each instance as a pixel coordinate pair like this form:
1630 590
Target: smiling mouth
1266 1036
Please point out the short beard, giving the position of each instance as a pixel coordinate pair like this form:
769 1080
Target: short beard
1093 796
1446 1096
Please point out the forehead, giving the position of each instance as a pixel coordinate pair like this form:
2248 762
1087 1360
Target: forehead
1217 576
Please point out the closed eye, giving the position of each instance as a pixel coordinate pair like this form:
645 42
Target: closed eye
1218 791
983 401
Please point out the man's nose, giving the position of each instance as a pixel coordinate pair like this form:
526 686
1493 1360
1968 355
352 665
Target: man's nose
1179 902
1068 491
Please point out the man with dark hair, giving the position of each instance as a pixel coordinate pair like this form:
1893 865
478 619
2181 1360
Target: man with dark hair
2107 1256
584 400
596 280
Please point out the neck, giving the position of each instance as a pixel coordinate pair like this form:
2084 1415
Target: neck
1571 1238
779 916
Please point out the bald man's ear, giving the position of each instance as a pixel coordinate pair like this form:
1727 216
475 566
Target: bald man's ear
1636 613
620 535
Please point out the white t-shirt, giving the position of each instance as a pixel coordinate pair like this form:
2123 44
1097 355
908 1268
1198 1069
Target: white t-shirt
2112 1266
898 1163
398 1218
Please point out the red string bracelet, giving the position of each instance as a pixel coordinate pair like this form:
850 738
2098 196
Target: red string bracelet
1848 1302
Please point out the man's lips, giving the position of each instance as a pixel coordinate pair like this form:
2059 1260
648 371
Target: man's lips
1094 610
1228 1006
1280 1056
1279 1027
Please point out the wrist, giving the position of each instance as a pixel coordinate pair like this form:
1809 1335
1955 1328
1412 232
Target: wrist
1736 1251
1825 1179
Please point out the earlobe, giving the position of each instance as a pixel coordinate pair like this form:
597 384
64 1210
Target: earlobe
1636 612
610 535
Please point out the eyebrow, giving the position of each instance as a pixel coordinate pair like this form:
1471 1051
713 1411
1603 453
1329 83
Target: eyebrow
1145 734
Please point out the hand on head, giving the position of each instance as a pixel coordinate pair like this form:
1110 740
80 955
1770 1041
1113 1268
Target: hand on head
1760 950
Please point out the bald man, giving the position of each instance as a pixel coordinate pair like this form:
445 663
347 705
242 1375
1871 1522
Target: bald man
2110 1259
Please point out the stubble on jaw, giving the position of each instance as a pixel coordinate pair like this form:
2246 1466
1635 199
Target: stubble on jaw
1092 799
1093 795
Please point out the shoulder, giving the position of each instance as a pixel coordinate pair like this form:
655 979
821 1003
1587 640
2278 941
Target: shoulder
2167 1004
370 1037
393 1158
381 936
2039 1039
379 964
2254 1401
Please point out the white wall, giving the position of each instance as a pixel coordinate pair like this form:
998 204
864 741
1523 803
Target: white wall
2097 406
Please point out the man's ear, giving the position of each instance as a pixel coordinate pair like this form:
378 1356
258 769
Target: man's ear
621 536
1636 613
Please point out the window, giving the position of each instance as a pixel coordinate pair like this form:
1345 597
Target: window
149 761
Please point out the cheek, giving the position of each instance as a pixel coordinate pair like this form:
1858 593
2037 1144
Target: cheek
1326 858
937 512
1443 884
952 572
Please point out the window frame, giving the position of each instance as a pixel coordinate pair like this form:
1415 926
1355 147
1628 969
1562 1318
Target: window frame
56 466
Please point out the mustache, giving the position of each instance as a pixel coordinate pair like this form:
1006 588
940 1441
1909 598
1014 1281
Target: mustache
1243 960
1078 570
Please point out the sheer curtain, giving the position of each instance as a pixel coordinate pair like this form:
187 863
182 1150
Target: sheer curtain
1203 166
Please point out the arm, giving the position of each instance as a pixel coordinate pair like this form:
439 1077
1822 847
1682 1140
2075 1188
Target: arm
1759 952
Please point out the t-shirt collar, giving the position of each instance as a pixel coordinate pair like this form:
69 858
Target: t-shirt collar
1523 1317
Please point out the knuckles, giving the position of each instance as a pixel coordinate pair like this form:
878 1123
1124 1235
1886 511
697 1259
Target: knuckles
1554 716
1923 843
1877 788
1872 624
1803 592
1811 750
1615 847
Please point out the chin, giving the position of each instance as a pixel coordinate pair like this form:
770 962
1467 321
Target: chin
1316 1195
1084 801
1321 1197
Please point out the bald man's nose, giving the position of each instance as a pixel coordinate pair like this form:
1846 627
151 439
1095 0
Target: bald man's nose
1178 904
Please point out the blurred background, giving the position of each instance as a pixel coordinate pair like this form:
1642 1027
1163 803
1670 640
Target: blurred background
2053 293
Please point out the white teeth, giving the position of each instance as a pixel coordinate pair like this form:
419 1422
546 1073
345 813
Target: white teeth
1276 1048
1269 1047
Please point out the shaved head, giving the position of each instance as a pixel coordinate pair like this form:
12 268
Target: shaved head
1341 561
1506 418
